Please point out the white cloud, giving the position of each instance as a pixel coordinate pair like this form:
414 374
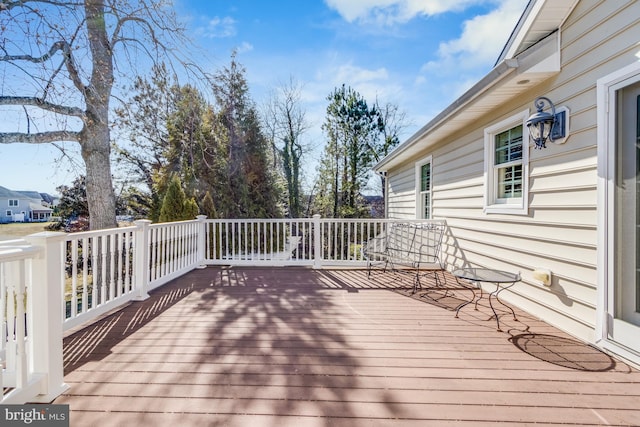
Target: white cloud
217 27
355 75
473 53
368 82
244 47
484 36
393 11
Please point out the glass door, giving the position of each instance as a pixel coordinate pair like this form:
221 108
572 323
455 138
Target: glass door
624 307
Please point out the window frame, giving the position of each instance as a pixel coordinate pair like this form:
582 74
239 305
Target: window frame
419 193
13 203
492 203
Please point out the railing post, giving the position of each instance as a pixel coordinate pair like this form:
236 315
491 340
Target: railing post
202 240
46 314
141 260
317 242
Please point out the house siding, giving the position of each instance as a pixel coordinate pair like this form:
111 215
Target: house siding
560 230
23 206
26 204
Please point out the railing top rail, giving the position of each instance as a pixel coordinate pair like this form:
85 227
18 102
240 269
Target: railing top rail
103 232
387 220
258 220
168 224
16 253
364 220
15 242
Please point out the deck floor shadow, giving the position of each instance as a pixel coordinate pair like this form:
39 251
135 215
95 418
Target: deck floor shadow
301 347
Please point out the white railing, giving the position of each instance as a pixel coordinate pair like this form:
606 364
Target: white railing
313 241
98 274
106 269
173 250
72 279
31 328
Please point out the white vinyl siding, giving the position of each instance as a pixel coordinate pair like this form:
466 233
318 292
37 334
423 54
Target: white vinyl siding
559 229
402 193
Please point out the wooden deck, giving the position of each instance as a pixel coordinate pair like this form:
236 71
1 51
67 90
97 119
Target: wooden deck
297 347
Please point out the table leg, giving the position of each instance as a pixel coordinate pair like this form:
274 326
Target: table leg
496 295
472 299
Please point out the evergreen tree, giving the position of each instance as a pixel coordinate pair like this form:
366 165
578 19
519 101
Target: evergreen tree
185 141
142 122
73 200
358 136
251 183
190 209
208 207
352 128
174 204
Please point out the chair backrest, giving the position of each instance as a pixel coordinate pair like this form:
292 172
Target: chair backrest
401 240
428 242
412 242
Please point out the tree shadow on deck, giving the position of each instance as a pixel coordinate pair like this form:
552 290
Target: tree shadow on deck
237 342
280 345
95 342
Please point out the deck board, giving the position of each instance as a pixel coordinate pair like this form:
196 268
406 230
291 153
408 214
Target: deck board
301 347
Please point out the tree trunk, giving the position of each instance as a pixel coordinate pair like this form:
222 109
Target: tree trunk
100 196
95 137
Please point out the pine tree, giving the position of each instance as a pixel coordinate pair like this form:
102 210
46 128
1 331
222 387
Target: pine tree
352 128
173 204
208 207
252 189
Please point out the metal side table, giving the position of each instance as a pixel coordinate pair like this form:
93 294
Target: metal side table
502 279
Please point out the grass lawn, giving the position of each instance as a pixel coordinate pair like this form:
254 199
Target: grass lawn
20 229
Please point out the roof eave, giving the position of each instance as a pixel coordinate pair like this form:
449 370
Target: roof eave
507 80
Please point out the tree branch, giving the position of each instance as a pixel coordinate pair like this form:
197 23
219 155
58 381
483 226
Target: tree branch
38 138
62 46
37 102
143 24
8 5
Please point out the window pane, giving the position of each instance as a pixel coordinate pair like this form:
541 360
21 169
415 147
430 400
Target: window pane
426 206
510 182
425 181
508 145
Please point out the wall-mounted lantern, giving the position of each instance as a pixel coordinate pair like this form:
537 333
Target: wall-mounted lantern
544 126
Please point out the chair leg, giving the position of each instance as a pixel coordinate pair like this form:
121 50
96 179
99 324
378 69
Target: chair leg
416 283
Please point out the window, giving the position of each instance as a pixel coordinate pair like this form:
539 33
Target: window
13 202
506 166
9 213
424 208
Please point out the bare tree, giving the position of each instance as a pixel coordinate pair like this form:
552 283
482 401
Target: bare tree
285 122
60 59
391 124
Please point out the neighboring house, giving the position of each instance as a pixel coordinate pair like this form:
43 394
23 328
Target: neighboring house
22 206
572 207
45 199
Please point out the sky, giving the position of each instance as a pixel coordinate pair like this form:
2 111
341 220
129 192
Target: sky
418 54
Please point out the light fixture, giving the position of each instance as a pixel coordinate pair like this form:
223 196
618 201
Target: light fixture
545 126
